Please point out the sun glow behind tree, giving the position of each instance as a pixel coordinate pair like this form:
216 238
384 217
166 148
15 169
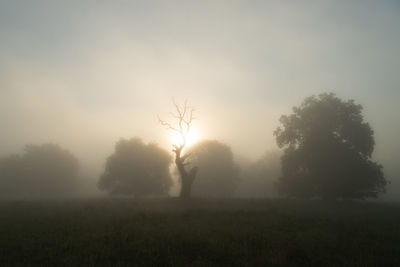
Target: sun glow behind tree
193 136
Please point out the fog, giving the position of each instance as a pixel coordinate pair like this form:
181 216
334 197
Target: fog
84 74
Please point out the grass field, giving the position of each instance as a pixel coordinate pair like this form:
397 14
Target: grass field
126 232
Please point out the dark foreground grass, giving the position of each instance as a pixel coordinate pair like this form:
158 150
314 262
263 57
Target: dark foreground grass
123 232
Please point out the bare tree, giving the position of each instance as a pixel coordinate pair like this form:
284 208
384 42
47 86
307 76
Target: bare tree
185 117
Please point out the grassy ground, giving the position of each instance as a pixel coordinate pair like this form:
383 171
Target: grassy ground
124 232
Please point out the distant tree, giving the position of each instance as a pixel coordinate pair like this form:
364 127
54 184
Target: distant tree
327 151
41 171
137 169
184 116
258 178
12 179
219 174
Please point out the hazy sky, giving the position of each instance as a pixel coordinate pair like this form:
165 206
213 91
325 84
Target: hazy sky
85 73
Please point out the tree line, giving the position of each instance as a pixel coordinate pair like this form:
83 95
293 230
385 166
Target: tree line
326 153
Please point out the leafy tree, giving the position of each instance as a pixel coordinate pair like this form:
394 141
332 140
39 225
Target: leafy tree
184 116
41 171
327 151
218 175
136 168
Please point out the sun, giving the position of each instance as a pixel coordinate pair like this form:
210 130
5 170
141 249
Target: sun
192 137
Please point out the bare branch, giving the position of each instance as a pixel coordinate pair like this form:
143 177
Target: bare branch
168 125
185 157
177 108
184 115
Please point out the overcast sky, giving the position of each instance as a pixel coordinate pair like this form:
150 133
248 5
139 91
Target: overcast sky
85 73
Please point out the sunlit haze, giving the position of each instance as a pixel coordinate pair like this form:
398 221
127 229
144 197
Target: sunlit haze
199 133
192 137
84 74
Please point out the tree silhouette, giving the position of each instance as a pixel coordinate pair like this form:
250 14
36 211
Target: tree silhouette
259 177
43 170
136 168
219 175
184 116
327 151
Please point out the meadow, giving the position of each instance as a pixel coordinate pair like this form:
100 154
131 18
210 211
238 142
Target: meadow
169 232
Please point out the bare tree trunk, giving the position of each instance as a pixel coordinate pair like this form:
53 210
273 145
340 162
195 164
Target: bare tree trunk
187 181
185 189
186 178
185 119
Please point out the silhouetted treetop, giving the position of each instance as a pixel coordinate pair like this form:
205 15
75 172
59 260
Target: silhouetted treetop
326 116
218 173
41 171
137 168
327 150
